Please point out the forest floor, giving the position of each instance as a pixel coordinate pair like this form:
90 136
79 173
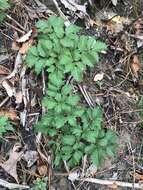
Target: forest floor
115 84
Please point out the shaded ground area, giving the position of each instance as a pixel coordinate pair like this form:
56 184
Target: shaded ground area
118 90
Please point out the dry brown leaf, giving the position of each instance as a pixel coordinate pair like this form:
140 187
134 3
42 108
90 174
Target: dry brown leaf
4 70
42 169
10 113
9 88
30 156
73 6
15 45
135 65
138 26
93 23
113 186
138 176
19 97
10 166
25 46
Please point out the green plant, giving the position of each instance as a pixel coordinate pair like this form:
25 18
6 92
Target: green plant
4 5
4 126
40 184
74 129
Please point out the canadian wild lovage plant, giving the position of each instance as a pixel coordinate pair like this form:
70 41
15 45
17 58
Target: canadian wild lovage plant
75 130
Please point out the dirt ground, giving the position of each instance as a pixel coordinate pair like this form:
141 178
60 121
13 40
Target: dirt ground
119 93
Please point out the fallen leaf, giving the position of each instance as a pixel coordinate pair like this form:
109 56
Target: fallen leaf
8 86
91 171
30 156
135 65
138 26
25 46
138 176
74 175
10 166
42 169
73 6
113 186
19 97
93 23
10 113
4 70
25 37
98 77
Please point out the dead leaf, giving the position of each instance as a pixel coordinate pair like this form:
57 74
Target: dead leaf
25 46
138 26
98 77
42 169
30 157
113 186
91 171
138 176
25 37
8 86
19 97
4 70
10 113
15 45
135 65
10 166
73 6
93 23
74 175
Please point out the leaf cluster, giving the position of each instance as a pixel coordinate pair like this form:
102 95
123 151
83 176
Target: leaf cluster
40 184
4 126
4 5
74 130
61 51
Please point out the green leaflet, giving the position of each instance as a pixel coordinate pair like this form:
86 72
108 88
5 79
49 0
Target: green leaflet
4 5
68 139
5 126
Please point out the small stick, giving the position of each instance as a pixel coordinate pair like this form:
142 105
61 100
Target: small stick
6 35
4 101
12 185
59 10
10 18
112 182
15 28
85 96
89 97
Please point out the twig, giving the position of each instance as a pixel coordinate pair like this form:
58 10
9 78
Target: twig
112 182
43 81
59 10
15 28
6 35
84 93
12 185
10 18
134 169
18 63
88 95
4 101
84 165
